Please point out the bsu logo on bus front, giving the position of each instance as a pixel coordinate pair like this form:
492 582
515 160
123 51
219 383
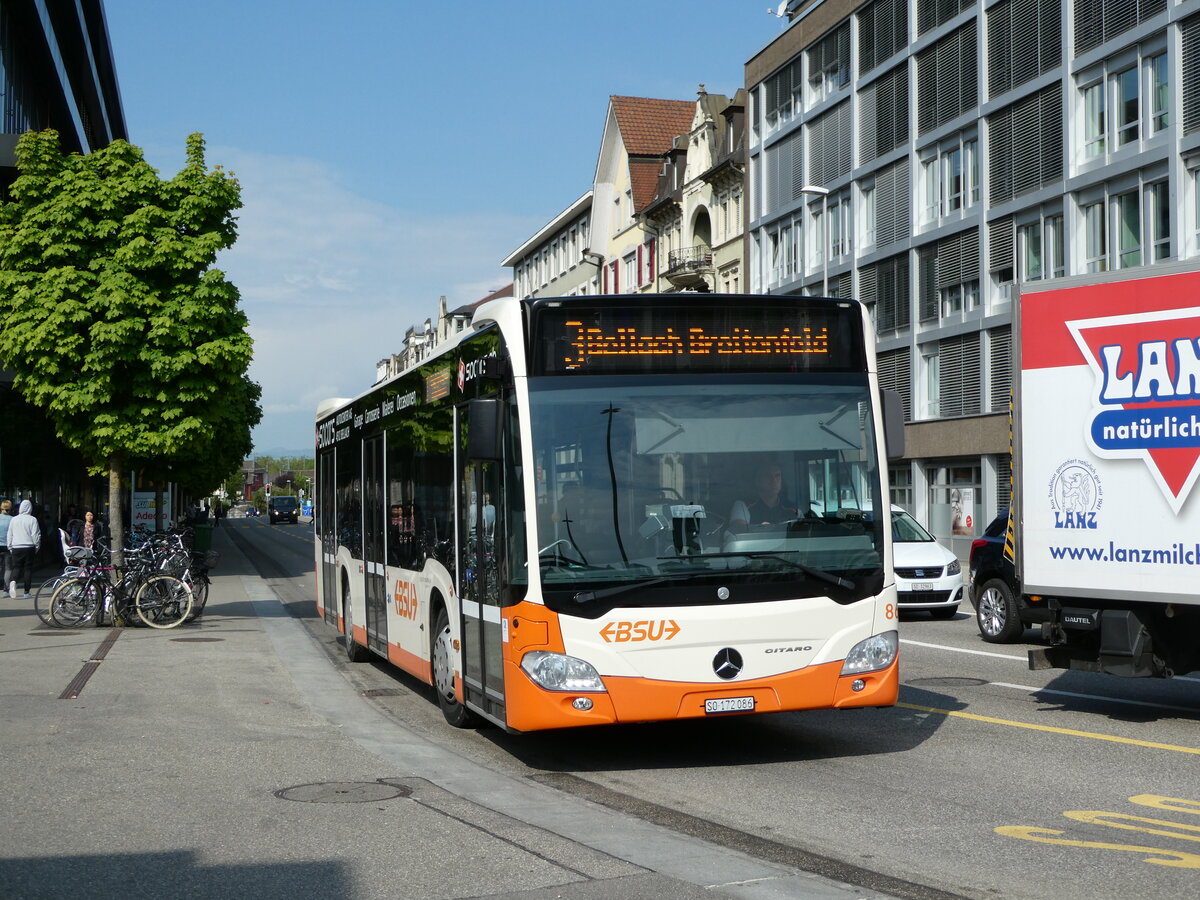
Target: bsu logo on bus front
1147 369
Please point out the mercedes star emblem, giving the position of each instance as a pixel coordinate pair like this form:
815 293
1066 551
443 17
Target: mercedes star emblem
727 663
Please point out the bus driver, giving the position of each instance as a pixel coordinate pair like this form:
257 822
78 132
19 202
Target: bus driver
769 507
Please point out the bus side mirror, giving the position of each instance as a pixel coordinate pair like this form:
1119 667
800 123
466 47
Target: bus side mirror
483 429
893 423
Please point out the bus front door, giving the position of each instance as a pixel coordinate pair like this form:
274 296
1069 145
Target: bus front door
479 587
327 530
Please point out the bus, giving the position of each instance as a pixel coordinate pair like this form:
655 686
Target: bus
612 509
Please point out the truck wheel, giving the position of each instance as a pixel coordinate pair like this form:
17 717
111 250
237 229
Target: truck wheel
443 676
997 614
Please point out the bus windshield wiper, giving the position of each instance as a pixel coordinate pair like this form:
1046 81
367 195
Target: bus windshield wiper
616 590
844 583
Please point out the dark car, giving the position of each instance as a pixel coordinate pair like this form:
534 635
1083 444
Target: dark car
1002 611
284 509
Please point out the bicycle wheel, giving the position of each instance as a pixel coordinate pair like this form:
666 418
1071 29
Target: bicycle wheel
163 601
74 601
199 586
41 599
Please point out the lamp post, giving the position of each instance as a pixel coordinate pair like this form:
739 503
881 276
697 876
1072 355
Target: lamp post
823 193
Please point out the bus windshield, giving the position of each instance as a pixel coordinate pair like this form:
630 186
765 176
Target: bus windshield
673 479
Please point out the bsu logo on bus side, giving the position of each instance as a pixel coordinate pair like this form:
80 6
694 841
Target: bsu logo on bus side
632 632
405 597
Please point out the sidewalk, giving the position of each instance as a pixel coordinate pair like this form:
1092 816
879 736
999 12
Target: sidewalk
232 758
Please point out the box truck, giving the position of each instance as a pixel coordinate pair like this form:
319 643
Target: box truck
1106 515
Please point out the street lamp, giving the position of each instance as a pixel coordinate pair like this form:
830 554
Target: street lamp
823 193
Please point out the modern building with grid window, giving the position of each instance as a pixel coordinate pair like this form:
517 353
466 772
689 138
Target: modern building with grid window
927 156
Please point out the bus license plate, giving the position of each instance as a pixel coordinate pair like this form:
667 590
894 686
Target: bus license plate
729 704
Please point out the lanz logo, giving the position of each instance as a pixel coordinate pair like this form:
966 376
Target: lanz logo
1076 495
1147 400
405 598
633 632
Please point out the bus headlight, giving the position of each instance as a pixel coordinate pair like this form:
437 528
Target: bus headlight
876 652
556 672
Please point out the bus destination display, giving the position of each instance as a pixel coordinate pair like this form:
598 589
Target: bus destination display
625 340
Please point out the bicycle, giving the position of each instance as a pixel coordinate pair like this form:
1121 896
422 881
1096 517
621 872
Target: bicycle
157 599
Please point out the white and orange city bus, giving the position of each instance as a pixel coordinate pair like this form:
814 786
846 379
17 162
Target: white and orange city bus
597 509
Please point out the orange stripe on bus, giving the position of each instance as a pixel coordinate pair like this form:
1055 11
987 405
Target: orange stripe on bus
410 663
646 700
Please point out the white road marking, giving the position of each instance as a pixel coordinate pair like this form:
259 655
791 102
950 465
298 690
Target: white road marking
964 650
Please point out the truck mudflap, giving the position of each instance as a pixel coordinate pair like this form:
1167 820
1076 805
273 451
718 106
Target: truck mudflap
1129 643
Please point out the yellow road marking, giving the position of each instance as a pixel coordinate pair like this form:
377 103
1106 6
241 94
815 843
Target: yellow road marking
1071 732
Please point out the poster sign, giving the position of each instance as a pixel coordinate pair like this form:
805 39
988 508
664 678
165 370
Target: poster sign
1109 435
142 502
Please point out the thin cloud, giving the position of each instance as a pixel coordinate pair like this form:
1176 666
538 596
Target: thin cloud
331 281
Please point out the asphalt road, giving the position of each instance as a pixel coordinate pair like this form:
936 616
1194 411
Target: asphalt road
987 780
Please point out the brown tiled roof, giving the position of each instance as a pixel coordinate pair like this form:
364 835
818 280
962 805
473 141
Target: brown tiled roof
643 177
649 126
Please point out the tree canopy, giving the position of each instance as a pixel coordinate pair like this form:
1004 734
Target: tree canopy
115 321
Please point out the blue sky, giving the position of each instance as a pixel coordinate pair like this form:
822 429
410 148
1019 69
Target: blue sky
393 152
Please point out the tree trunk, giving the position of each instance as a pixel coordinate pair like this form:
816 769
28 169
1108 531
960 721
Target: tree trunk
116 515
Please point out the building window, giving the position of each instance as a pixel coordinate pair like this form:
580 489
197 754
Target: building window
951 179
1127 208
930 362
1160 220
1126 90
1030 237
629 273
1160 89
1056 255
868 213
1121 106
1094 129
1095 245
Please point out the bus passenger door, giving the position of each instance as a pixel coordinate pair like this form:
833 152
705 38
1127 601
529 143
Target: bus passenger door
374 524
482 651
327 532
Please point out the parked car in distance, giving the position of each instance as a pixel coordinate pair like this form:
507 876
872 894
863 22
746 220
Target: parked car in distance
284 509
1002 610
928 575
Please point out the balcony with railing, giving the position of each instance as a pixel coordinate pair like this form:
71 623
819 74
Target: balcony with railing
690 267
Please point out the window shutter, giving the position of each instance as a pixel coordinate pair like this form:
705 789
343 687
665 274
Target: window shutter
927 279
1000 244
959 376
641 271
1190 74
895 374
1000 367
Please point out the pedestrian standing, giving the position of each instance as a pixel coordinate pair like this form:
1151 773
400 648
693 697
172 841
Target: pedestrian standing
24 536
5 518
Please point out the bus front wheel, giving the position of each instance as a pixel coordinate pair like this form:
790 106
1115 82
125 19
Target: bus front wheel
443 675
355 652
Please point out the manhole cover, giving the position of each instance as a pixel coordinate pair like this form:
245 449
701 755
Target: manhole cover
197 640
381 692
343 792
947 682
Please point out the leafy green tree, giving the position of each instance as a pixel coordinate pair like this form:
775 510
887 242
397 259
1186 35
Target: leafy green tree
115 321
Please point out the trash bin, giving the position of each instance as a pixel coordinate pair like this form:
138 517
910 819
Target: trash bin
202 534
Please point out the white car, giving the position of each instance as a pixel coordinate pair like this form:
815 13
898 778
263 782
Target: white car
928 576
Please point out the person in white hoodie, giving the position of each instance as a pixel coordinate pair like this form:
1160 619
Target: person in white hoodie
24 536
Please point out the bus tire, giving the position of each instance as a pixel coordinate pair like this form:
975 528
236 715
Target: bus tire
355 652
443 675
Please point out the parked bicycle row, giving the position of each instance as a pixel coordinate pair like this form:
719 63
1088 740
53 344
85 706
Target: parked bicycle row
162 583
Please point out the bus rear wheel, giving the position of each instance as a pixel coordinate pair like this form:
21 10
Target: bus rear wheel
443 675
355 652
